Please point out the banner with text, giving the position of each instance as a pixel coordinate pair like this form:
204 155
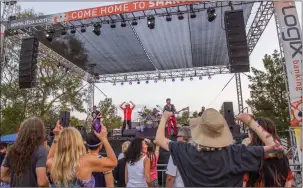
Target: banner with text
292 45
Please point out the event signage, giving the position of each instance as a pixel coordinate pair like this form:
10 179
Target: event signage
291 37
30 22
122 8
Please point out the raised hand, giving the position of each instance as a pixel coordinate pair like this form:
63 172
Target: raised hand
57 129
245 118
103 134
167 115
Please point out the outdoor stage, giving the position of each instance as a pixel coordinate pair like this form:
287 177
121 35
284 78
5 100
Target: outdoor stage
158 41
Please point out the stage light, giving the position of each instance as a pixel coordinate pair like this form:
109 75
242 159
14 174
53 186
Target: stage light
200 78
211 14
155 81
191 79
134 22
164 80
122 83
151 22
180 16
49 35
130 83
182 79
123 24
114 83
97 29
73 30
63 32
113 25
193 15
168 18
209 77
173 80
147 82
138 82
83 29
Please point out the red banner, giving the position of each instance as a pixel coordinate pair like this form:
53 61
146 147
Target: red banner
121 8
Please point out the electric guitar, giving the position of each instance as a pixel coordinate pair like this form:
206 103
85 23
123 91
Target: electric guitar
183 109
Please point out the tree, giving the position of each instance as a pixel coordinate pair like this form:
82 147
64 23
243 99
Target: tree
109 113
184 118
268 92
57 87
195 114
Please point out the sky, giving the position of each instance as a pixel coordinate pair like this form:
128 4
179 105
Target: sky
195 94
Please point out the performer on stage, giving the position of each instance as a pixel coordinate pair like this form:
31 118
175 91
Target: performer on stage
127 111
202 110
171 108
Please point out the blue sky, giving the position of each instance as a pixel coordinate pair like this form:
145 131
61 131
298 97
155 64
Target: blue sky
195 93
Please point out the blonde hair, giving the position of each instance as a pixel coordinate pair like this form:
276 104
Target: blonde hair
70 148
125 146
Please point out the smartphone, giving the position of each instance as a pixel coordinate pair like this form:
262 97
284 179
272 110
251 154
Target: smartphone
64 118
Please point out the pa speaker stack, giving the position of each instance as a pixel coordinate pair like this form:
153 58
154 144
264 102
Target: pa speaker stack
236 41
28 62
229 116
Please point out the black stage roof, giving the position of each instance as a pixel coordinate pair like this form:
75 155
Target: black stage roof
178 44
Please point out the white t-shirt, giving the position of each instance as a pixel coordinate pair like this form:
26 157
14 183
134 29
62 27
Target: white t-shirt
121 156
172 170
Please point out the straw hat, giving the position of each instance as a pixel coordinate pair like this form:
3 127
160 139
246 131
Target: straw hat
211 130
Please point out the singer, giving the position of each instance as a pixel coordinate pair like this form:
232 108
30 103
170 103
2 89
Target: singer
172 121
127 111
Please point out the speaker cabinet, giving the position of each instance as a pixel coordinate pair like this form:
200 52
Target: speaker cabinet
28 62
236 41
65 118
228 111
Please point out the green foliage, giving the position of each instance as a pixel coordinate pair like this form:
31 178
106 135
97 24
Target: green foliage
268 92
75 122
109 114
195 114
184 118
147 111
56 89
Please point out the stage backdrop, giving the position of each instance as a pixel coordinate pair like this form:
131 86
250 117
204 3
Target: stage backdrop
291 39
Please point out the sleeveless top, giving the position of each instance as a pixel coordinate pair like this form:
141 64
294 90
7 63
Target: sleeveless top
136 176
127 113
79 183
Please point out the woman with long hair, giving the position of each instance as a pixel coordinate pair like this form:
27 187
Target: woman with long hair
67 160
124 149
25 164
275 171
137 169
153 155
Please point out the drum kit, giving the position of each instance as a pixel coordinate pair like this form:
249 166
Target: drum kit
149 120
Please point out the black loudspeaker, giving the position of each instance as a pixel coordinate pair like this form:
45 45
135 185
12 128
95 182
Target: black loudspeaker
65 118
236 41
28 62
130 132
228 111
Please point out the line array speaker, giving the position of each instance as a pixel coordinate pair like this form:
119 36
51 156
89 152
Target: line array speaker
236 41
28 62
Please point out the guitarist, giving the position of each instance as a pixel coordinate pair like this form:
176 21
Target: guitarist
171 108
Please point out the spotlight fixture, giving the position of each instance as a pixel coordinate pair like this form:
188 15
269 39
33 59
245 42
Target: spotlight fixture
151 22
182 79
155 81
83 29
168 18
112 24
193 15
130 83
63 32
173 80
114 83
97 29
164 80
200 78
123 24
138 82
122 83
147 82
211 14
191 79
73 30
209 77
134 22
180 16
49 35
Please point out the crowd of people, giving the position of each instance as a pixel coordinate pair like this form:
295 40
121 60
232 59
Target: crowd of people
204 155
